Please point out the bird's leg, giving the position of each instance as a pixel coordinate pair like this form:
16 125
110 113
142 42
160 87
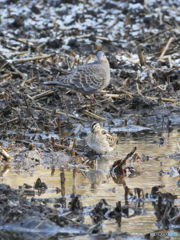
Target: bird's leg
87 97
79 96
93 98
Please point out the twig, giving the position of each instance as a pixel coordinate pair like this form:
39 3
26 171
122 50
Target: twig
41 223
109 40
117 95
5 154
125 92
164 99
77 223
61 113
67 115
41 95
178 145
5 75
165 49
94 116
138 90
5 170
10 121
13 120
84 3
153 98
17 71
15 53
32 58
65 147
22 190
140 55
93 104
3 65
19 40
96 226
154 35
174 69
27 81
30 97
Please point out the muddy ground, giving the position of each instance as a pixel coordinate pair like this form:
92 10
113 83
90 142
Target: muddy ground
44 40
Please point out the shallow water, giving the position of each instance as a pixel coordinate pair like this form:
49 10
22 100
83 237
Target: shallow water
91 189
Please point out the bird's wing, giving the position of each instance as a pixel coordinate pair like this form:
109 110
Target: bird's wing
89 77
111 140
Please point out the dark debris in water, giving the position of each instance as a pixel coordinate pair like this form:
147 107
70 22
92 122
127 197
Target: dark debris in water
21 215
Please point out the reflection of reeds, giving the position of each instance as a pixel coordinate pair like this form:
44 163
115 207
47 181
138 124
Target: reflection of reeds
74 182
62 177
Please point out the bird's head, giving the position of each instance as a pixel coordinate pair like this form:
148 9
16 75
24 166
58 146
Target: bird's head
101 57
95 126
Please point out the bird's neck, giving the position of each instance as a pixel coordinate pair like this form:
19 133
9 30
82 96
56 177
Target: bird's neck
98 131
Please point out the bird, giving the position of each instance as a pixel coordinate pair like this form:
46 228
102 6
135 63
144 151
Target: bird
88 78
100 140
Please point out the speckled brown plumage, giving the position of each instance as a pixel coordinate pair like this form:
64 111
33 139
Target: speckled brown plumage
89 78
